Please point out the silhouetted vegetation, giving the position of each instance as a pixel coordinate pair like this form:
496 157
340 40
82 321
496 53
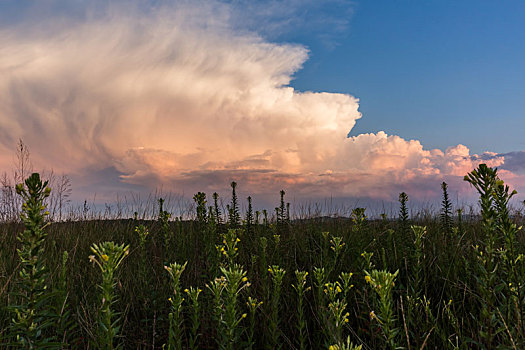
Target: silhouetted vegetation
259 281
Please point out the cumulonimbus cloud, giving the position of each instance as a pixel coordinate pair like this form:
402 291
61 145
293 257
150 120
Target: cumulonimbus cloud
182 98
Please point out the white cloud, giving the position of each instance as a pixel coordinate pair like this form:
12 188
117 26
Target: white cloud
180 97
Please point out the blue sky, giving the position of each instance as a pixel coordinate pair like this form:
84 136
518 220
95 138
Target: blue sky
189 95
443 72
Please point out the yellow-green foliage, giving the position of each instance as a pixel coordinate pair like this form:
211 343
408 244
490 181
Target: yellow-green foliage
400 282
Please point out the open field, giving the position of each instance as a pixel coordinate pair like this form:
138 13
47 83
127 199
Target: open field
442 281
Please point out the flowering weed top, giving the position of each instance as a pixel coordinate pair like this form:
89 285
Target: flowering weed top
108 255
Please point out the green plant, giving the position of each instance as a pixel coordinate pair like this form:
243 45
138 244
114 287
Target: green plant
249 219
277 274
337 245
193 294
175 271
234 216
383 283
346 284
512 263
368 263
484 179
417 281
108 257
320 278
282 215
216 209
266 222
31 316
64 324
235 282
446 211
228 249
201 210
359 219
253 305
345 346
417 317
301 289
336 315
143 233
216 287
403 212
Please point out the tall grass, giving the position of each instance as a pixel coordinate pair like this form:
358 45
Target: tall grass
413 282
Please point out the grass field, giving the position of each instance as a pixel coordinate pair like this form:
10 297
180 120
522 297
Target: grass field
260 280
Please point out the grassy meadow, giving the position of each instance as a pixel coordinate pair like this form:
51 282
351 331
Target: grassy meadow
228 279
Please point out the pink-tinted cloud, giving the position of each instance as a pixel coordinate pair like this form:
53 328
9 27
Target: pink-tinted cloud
181 98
